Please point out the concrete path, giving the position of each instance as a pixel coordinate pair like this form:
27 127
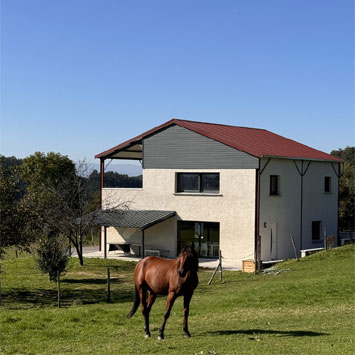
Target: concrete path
93 252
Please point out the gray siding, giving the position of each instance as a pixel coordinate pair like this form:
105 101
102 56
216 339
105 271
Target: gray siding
179 148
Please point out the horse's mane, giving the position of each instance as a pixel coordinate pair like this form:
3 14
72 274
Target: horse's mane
190 254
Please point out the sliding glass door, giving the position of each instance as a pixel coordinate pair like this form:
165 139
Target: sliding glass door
205 235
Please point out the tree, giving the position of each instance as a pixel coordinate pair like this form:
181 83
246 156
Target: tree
12 219
50 255
346 188
59 197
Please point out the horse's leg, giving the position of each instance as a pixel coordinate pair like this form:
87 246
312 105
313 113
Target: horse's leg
143 297
151 299
169 304
187 299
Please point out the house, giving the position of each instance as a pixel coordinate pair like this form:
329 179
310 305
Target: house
221 187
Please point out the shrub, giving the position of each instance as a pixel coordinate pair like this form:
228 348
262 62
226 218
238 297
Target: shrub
50 255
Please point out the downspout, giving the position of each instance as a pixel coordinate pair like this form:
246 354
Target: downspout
302 173
257 217
257 244
102 169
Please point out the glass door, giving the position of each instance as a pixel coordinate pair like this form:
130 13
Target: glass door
205 235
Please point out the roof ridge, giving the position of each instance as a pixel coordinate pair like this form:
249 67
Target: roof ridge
216 124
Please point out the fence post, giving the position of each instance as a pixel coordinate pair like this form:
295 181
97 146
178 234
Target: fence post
0 285
58 286
108 285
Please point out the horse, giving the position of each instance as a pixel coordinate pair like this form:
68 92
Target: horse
158 276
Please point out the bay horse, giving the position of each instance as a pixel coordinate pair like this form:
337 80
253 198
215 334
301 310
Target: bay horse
157 276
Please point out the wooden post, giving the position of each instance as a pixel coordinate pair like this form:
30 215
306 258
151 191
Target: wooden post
102 172
143 251
105 242
219 266
58 286
258 255
108 285
0 285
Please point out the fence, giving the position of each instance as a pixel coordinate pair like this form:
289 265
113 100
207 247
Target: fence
28 287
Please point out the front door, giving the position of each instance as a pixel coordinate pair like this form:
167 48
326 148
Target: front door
205 235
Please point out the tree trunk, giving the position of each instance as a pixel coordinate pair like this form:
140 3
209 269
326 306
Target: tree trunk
79 251
80 255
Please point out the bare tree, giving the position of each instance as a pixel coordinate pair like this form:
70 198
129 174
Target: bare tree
68 208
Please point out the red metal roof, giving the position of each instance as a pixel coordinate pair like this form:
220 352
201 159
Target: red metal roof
257 142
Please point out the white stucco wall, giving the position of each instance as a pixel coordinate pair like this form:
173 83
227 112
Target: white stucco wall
233 208
282 213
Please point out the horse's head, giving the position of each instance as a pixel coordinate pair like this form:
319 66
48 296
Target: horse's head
187 260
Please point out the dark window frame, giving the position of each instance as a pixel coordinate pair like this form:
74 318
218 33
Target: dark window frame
274 185
200 188
327 184
316 231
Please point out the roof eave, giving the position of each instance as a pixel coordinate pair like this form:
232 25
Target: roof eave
335 160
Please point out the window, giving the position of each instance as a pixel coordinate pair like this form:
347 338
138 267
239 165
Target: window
327 184
197 182
316 230
274 185
205 236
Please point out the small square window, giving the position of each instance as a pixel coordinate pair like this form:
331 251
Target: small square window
316 230
274 185
327 184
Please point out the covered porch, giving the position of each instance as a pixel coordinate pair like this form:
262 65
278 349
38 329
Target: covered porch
137 220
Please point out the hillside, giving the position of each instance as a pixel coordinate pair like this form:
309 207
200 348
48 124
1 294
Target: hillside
308 308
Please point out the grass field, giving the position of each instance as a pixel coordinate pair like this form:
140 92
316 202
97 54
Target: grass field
308 309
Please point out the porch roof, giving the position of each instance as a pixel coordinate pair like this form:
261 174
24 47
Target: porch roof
142 219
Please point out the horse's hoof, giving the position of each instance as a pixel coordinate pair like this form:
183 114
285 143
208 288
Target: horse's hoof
147 336
187 335
160 337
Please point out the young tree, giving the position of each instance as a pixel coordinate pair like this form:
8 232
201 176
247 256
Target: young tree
50 255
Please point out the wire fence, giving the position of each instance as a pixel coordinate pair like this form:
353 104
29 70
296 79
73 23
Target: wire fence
89 284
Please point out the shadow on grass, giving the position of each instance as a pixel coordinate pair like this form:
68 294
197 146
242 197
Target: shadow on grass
90 281
256 332
23 299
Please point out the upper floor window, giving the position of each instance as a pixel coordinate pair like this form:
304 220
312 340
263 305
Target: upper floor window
274 185
327 184
316 230
197 182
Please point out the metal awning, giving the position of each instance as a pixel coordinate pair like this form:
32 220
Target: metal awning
141 219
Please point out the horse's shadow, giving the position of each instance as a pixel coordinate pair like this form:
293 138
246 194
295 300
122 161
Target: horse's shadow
256 332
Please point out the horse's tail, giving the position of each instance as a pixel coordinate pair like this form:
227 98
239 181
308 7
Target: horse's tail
136 302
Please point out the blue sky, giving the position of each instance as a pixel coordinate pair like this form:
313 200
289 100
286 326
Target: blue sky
80 76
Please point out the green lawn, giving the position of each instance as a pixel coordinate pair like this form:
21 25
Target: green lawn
308 309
